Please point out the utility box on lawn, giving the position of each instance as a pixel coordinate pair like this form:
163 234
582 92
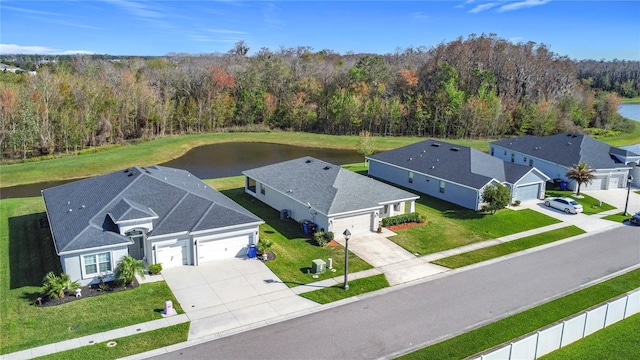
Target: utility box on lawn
318 266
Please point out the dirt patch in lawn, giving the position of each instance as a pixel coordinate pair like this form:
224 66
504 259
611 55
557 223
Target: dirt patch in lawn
405 226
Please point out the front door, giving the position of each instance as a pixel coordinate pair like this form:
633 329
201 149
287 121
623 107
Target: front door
136 249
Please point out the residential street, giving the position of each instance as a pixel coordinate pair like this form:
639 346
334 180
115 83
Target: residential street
410 317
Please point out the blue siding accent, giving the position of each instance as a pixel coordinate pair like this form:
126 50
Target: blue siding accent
454 193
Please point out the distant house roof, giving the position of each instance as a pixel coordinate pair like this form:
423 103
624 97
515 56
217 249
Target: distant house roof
566 150
83 214
328 188
455 163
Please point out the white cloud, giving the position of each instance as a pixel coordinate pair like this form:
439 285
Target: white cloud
483 7
522 4
138 8
37 50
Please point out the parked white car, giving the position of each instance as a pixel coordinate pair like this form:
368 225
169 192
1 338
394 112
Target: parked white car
565 204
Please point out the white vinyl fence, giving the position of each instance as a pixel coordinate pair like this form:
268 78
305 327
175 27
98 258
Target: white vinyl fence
562 334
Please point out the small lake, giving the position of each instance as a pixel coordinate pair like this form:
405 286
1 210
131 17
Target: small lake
220 160
630 111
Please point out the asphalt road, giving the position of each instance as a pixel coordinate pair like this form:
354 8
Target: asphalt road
389 324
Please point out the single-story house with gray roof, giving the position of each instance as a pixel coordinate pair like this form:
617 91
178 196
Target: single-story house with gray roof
454 173
156 214
328 195
554 155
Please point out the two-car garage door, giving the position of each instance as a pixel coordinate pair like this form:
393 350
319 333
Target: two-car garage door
356 224
211 250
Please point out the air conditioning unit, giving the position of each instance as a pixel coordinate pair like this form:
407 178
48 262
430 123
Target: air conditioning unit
318 266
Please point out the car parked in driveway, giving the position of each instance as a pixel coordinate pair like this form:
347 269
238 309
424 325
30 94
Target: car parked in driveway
635 218
565 204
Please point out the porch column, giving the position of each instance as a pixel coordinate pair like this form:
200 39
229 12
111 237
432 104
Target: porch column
412 206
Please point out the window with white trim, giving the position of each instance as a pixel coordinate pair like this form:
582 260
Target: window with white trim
97 263
410 177
263 189
441 186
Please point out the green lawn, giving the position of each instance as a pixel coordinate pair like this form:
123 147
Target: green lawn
26 255
616 342
450 226
127 346
492 252
356 287
512 327
589 204
619 217
294 250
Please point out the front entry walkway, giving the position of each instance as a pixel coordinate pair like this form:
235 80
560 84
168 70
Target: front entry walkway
224 295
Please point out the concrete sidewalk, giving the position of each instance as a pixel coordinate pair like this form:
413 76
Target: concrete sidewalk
273 301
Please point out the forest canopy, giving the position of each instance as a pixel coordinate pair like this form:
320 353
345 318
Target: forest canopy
475 87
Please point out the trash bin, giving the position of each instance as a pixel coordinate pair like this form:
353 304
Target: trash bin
252 252
563 185
305 227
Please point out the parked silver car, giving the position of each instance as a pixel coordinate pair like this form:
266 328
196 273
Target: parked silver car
635 218
565 204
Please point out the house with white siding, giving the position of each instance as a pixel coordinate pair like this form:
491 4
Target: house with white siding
333 198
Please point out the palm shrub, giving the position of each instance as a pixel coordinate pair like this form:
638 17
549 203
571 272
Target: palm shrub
264 245
127 269
581 174
55 286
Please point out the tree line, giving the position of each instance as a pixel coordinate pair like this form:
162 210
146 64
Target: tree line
479 86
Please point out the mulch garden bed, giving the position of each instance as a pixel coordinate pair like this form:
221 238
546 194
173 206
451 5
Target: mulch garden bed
405 226
87 291
270 256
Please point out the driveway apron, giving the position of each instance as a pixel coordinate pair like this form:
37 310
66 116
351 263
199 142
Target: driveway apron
229 294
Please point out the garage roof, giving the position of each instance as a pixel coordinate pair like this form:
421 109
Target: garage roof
82 213
327 188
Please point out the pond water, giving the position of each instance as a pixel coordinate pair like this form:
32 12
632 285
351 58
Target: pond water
630 111
219 160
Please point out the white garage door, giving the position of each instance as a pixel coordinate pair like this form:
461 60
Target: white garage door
173 255
356 224
222 249
614 182
527 192
596 184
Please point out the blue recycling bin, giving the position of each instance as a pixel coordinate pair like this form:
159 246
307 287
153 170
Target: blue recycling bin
252 252
563 185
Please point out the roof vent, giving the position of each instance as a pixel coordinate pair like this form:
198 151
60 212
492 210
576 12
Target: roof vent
433 166
435 145
568 135
130 174
437 160
326 168
424 151
126 170
82 206
574 136
410 158
307 161
455 149
569 143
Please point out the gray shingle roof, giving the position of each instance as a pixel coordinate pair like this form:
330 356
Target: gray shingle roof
175 200
565 149
328 188
454 163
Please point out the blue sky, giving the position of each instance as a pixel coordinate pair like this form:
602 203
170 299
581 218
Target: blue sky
577 29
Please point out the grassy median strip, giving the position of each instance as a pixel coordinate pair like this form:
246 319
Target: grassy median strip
128 345
472 257
619 217
512 327
614 342
356 287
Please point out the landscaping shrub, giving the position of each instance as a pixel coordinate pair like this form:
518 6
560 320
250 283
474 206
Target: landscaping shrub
264 245
413 217
322 238
56 286
155 269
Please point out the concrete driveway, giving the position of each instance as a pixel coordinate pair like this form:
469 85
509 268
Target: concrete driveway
232 294
588 223
617 198
398 265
